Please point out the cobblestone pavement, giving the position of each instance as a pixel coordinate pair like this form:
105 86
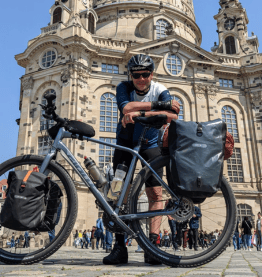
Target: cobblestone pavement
86 262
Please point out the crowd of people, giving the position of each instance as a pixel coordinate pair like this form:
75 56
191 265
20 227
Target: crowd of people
248 239
92 238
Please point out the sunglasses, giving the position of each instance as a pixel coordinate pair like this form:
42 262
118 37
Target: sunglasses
144 75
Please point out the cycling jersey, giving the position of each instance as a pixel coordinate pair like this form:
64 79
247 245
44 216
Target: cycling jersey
126 93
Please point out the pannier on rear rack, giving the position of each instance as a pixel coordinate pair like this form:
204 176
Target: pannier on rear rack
196 157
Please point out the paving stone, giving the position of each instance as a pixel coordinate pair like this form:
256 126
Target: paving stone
243 270
76 262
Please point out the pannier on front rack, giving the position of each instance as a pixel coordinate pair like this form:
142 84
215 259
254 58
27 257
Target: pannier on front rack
25 205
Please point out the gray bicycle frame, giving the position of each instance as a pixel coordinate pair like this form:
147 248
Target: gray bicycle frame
113 214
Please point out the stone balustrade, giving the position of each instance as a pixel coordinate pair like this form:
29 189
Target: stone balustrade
50 28
108 43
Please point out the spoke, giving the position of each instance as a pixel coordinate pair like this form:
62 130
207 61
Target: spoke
214 221
213 208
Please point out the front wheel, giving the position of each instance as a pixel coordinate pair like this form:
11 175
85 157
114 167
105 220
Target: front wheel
29 247
181 246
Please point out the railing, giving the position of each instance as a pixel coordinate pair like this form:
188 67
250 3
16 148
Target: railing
50 28
108 43
230 60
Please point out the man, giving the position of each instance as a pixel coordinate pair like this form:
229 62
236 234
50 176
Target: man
236 239
246 228
99 231
182 235
258 231
80 237
193 232
27 238
93 237
140 97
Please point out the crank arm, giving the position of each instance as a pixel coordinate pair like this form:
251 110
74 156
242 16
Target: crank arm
149 214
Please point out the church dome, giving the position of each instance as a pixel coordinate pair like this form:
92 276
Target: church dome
146 20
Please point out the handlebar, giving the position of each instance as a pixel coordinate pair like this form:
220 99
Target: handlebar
156 121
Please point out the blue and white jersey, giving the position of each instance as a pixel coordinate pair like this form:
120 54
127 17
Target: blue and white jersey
126 93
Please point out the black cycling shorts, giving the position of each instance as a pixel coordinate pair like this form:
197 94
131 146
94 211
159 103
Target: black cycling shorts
121 156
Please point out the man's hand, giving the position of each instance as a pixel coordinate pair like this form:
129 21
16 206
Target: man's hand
175 106
128 118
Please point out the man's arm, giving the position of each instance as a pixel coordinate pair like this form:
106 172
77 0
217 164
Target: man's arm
128 118
170 105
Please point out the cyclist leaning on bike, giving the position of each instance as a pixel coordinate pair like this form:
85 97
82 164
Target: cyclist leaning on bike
141 97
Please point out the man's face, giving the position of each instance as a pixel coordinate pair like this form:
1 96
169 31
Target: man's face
259 216
142 83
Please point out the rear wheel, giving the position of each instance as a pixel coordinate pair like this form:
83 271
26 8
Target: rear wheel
216 229
41 245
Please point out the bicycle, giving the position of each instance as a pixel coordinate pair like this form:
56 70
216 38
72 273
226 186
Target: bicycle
220 209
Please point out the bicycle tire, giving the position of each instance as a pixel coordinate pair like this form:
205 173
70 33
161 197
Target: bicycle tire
177 260
70 218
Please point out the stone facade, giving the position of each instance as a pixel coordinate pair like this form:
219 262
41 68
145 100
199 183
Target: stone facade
88 44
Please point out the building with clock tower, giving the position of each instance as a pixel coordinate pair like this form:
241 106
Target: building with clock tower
81 56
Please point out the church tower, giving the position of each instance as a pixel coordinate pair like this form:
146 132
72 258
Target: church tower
232 30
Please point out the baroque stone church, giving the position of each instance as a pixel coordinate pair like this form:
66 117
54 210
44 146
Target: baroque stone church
82 56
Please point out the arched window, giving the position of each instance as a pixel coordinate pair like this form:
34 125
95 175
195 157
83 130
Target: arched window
108 113
230 45
106 153
57 15
181 113
91 23
229 116
235 167
174 64
161 25
242 211
45 123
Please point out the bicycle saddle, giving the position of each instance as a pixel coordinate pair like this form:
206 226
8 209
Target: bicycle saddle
156 121
74 127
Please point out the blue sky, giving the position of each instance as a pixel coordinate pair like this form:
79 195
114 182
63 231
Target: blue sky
21 21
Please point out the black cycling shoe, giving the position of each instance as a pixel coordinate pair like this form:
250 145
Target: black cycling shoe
118 255
148 259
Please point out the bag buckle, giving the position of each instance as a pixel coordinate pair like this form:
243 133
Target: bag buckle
199 182
199 129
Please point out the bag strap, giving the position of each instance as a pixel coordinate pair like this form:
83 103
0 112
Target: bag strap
23 185
247 225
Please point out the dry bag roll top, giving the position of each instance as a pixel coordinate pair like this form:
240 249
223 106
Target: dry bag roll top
26 201
196 157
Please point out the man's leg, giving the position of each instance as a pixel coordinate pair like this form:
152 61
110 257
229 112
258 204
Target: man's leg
109 239
93 243
185 238
195 239
190 238
234 241
172 226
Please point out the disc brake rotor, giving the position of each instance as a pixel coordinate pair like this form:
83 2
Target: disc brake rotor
185 212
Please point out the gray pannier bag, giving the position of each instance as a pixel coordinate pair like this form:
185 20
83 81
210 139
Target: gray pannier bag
26 200
196 157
